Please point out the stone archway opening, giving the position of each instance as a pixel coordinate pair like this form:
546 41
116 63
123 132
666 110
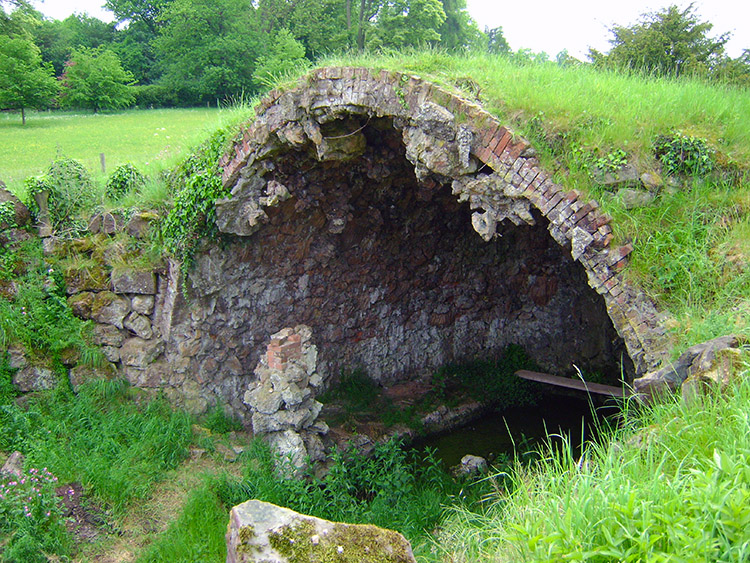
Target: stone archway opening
408 229
392 278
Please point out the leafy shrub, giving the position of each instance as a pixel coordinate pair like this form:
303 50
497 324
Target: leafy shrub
7 215
126 178
392 487
71 190
684 154
31 525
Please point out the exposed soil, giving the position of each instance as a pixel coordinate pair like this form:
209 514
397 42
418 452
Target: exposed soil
101 539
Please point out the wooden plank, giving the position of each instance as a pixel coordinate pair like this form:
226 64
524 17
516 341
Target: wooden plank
577 384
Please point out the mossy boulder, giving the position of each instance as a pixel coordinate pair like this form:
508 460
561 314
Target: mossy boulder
260 531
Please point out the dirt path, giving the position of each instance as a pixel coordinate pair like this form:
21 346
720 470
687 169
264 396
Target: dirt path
146 520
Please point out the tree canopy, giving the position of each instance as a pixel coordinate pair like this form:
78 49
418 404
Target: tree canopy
95 79
671 41
25 80
189 52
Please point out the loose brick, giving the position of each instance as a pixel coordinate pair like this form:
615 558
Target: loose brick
503 143
484 154
488 136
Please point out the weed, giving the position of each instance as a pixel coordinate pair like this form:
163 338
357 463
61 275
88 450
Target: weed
196 183
125 179
38 315
489 381
69 190
31 524
7 215
684 154
217 420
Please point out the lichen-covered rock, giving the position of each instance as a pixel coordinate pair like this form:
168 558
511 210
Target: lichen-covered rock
139 353
81 374
626 175
290 448
134 281
107 308
109 335
712 370
143 304
698 362
632 198
139 324
263 532
13 466
139 224
90 278
472 465
34 378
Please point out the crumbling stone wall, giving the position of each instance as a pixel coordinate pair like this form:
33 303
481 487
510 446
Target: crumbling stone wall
392 277
356 203
407 227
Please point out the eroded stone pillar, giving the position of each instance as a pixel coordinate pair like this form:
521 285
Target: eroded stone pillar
282 398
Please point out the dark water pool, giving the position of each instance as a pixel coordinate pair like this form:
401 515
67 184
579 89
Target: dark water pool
496 433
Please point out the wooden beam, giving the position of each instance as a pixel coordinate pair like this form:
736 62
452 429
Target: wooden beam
577 384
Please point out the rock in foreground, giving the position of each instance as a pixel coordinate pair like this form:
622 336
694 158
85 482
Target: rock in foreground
260 531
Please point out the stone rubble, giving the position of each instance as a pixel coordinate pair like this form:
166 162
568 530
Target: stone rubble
282 398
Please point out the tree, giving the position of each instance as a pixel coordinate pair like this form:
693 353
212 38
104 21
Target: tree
57 39
459 30
496 42
285 54
148 12
322 26
671 42
404 23
25 81
21 19
95 79
208 49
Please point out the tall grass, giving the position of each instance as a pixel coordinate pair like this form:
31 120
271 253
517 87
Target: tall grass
672 485
100 437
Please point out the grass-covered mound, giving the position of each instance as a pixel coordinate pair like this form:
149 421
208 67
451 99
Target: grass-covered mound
670 484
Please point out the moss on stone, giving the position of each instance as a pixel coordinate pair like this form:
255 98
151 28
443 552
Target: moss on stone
246 534
346 543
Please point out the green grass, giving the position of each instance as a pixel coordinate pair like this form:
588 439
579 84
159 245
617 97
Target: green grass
153 140
391 489
672 485
101 437
197 534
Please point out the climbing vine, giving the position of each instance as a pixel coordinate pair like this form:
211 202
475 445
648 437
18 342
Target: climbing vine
196 185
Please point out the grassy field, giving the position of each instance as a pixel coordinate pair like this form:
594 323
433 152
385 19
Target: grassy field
153 140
